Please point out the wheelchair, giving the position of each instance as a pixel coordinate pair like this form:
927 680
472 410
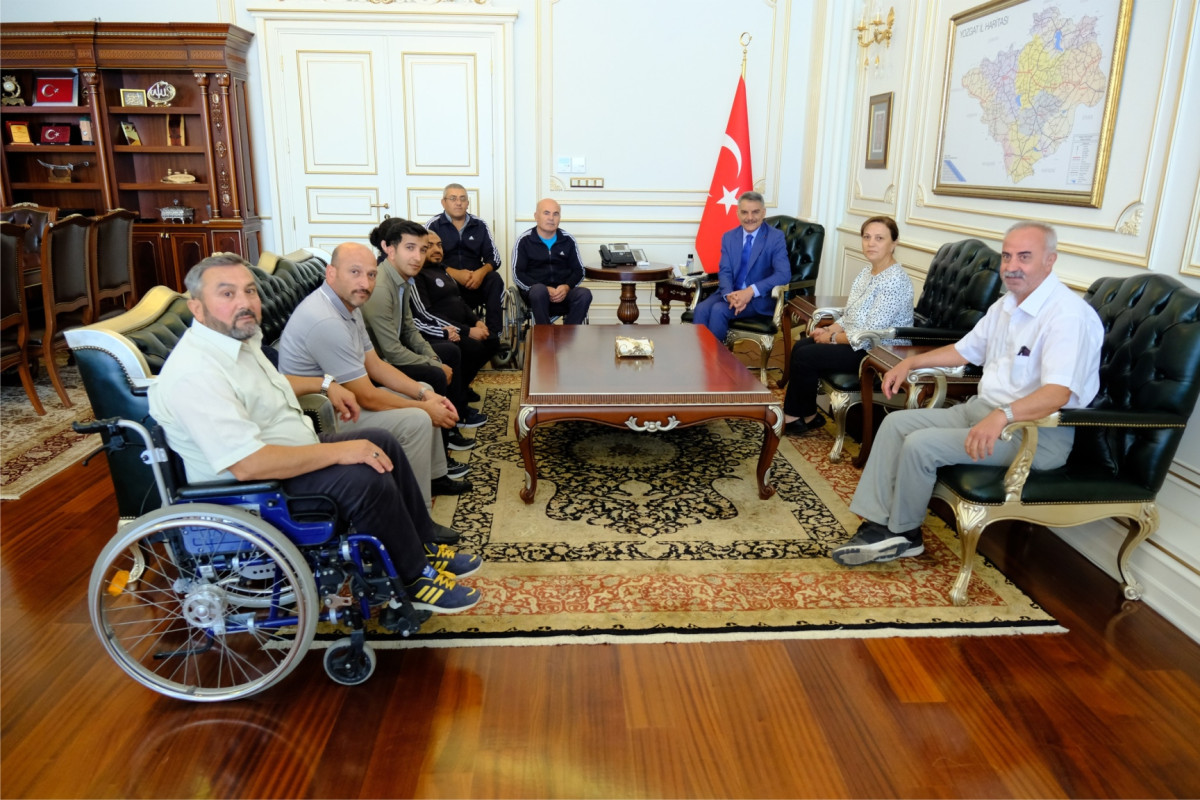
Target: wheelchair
216 595
517 320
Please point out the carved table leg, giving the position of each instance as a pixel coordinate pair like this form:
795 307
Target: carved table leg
772 426
523 428
627 311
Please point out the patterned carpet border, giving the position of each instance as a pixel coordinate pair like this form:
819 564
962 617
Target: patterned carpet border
35 448
652 538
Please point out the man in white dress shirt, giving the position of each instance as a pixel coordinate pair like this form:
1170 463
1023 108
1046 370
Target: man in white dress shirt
1040 350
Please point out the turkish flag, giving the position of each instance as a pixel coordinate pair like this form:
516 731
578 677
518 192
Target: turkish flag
732 176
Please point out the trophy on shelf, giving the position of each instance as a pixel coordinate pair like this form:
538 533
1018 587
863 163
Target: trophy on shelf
182 176
12 92
160 94
177 213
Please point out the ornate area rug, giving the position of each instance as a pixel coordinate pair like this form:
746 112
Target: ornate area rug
662 537
32 448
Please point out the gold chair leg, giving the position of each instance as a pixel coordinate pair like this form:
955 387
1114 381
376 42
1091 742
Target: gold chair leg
972 519
839 406
1140 530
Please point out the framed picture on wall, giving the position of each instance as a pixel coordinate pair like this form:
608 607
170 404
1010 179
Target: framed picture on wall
1030 100
879 130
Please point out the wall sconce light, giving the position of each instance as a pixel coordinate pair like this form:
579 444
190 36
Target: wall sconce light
872 30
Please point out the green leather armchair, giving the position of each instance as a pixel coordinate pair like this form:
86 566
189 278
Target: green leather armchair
1124 441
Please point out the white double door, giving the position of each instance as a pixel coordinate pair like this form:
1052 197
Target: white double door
373 120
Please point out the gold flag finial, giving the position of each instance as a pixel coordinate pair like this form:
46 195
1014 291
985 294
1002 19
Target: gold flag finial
744 39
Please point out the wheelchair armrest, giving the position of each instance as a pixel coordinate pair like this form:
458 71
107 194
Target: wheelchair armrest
203 491
320 411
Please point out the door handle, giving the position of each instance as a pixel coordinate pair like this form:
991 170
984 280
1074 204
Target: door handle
379 205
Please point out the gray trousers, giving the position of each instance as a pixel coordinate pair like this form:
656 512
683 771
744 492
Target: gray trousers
901 472
421 442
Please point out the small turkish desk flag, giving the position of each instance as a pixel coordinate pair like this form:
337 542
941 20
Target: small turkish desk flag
732 176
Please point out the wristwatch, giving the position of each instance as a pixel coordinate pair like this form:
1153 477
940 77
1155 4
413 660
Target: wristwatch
1008 414
325 384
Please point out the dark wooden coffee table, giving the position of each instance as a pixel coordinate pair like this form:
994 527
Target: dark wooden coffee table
573 373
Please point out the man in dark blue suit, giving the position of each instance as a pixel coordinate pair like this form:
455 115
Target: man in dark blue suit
753 261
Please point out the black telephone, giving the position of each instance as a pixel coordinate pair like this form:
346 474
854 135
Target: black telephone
616 255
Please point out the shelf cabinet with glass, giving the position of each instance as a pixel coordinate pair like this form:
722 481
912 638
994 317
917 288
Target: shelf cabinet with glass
166 109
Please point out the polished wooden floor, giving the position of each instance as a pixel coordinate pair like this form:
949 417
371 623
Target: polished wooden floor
1111 709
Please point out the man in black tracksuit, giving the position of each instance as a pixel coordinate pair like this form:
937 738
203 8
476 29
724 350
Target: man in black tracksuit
547 269
445 319
471 257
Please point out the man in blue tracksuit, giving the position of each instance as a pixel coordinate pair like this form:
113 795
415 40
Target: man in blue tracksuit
547 269
471 257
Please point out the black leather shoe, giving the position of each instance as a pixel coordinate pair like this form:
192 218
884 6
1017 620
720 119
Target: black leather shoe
447 485
444 535
798 427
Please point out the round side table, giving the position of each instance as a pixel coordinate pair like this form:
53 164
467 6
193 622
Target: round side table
629 277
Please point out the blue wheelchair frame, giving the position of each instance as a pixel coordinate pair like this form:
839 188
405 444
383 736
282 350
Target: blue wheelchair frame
203 564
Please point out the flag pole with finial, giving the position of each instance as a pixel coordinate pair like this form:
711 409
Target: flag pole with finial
732 176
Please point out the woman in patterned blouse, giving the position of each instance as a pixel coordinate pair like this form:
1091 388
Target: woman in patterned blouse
882 297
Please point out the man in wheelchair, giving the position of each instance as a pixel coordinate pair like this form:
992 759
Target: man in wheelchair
230 414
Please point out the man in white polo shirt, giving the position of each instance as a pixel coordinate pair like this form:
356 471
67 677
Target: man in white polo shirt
326 336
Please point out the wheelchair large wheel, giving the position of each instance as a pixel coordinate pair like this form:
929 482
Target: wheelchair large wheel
511 338
225 605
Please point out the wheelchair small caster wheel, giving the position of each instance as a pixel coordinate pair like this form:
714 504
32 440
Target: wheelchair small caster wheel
347 666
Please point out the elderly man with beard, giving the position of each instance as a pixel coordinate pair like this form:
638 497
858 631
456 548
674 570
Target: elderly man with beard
230 415
326 335
1040 350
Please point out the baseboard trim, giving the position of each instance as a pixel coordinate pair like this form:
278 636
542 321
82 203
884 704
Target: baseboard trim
1170 589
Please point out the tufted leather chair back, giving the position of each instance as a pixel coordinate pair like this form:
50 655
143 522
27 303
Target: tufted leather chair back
963 281
156 340
1149 363
282 291
805 240
37 218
